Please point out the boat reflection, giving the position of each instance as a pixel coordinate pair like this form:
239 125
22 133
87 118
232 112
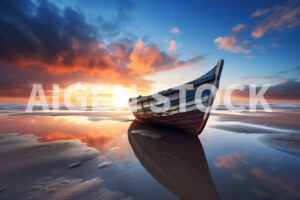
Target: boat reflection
177 161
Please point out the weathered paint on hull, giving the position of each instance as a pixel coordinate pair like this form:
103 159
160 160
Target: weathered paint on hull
190 122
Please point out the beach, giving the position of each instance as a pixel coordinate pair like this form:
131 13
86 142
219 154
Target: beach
89 155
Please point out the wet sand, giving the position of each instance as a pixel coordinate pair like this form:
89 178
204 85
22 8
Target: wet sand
87 156
283 124
289 143
34 170
287 119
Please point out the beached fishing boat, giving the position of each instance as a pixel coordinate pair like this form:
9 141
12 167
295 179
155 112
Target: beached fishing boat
166 109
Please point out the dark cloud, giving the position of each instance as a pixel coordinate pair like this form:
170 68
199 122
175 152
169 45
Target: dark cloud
192 60
18 82
293 70
42 33
112 27
288 90
266 78
276 77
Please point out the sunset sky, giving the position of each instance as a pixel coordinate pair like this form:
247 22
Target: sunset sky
153 43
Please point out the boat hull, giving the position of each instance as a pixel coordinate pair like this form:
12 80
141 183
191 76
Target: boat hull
190 122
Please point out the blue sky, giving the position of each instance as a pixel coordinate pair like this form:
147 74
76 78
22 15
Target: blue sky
200 23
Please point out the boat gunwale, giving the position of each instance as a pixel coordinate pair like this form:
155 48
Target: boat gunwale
189 97
202 79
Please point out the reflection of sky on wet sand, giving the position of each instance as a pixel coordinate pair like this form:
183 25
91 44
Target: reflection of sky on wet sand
245 168
101 135
44 155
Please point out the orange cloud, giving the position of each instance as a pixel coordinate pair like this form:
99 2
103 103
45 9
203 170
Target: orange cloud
147 59
260 12
172 45
230 44
282 17
238 27
117 63
143 58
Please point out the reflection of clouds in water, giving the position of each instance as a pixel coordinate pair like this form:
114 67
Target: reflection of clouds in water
274 186
121 116
231 160
102 135
238 176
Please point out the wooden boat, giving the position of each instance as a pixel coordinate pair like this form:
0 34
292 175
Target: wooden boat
183 171
147 108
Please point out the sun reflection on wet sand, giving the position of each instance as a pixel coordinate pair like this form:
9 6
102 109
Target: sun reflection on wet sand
101 135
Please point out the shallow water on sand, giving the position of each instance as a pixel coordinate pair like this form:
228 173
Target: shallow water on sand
71 155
